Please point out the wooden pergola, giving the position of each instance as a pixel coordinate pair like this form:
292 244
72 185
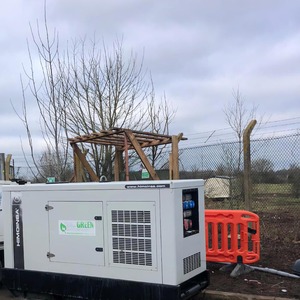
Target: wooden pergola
124 140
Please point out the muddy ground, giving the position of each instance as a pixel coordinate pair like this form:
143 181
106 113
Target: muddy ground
280 248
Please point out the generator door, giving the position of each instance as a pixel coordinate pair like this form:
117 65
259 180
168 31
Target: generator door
76 232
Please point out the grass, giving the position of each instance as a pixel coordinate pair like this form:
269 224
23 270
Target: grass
275 197
265 198
270 188
282 204
268 204
224 204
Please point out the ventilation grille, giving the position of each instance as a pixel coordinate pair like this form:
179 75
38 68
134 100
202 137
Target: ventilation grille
191 262
131 237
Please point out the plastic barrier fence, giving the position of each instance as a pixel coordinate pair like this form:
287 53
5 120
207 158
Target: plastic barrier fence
232 236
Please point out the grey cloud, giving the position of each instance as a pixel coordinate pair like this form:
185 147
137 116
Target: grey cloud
197 51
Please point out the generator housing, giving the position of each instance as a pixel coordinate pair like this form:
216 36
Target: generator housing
106 240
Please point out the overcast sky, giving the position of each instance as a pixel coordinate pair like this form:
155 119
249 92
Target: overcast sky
198 52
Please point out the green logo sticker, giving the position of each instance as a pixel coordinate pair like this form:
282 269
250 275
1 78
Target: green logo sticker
63 227
77 227
85 225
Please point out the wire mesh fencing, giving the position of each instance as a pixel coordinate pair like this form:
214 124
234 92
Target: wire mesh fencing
275 177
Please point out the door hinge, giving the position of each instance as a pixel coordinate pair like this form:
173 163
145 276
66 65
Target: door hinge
48 207
50 255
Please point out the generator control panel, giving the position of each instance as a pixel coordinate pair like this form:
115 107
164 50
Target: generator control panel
190 207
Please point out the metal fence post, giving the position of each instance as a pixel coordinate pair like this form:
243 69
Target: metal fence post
247 164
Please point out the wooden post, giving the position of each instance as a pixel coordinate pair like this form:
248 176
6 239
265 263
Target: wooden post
2 166
117 164
174 163
141 154
7 167
126 158
170 167
77 167
84 162
247 165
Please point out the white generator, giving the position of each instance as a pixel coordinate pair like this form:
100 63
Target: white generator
2 183
108 240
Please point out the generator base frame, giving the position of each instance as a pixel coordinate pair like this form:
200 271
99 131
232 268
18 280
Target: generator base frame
92 288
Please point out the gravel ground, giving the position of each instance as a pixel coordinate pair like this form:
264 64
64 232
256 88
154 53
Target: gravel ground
7 295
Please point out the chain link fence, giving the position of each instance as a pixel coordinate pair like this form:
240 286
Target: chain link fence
275 173
275 191
275 177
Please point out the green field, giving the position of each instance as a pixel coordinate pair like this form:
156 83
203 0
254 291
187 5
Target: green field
265 198
264 188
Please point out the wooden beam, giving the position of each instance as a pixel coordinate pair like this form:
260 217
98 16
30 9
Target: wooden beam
141 154
146 134
79 174
117 164
156 143
85 163
170 167
89 137
77 167
126 158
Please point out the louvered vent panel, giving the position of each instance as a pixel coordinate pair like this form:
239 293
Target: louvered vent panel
191 262
131 237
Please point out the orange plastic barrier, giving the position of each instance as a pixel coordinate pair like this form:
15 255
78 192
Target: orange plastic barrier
232 236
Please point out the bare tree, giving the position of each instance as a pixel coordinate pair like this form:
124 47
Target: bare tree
48 166
237 116
45 89
160 117
108 90
88 88
262 170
